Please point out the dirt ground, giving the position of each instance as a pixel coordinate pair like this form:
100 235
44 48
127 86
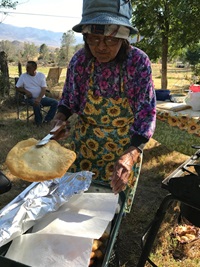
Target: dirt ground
167 252
158 163
147 199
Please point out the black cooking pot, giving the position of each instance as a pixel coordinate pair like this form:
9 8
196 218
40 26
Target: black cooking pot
187 189
191 214
197 168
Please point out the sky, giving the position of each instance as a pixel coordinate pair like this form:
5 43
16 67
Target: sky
52 15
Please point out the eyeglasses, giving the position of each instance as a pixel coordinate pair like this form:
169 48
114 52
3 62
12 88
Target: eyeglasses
95 40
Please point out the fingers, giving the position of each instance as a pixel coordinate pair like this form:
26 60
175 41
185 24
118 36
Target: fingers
59 117
60 125
123 169
63 134
61 130
36 103
28 94
118 187
120 177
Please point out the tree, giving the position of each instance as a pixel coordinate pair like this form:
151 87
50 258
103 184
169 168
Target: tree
30 52
66 50
44 53
4 75
192 55
8 4
167 26
9 49
54 55
77 47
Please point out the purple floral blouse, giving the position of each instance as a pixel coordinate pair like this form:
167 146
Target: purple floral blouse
134 76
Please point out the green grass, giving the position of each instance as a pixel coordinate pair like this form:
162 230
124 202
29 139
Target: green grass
159 161
178 79
13 72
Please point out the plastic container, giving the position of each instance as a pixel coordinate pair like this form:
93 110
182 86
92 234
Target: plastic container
195 88
162 95
193 100
177 98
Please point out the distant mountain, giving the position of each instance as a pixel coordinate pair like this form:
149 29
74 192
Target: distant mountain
33 35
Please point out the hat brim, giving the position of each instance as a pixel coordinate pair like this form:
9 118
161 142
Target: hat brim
105 19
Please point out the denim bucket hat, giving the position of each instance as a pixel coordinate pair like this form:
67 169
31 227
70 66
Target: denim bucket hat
104 12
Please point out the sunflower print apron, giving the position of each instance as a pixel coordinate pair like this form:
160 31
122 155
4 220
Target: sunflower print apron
101 136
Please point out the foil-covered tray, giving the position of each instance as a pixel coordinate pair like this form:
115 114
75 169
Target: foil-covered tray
37 200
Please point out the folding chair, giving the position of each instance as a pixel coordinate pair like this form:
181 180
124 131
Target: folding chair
24 109
152 230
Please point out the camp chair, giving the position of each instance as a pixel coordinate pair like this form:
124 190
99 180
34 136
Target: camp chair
24 109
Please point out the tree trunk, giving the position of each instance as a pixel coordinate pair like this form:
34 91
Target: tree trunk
19 68
164 62
4 75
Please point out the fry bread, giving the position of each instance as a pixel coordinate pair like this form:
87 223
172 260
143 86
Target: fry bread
96 244
30 163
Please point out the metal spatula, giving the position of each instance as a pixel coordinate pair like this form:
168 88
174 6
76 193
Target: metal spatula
55 131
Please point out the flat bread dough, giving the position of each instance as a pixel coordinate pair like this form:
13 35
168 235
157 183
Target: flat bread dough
32 163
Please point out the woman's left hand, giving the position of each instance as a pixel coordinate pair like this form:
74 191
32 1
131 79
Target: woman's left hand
123 168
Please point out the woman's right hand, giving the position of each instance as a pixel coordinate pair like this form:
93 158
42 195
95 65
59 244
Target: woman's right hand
58 122
59 118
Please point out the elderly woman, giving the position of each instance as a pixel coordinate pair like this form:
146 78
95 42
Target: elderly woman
109 85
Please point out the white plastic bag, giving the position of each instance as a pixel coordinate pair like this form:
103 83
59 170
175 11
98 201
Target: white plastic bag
193 100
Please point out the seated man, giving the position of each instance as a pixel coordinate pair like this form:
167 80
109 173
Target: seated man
33 85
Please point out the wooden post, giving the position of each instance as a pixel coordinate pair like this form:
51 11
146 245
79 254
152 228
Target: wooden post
4 75
19 68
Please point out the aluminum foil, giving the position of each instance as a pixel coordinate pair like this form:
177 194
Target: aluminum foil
37 200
